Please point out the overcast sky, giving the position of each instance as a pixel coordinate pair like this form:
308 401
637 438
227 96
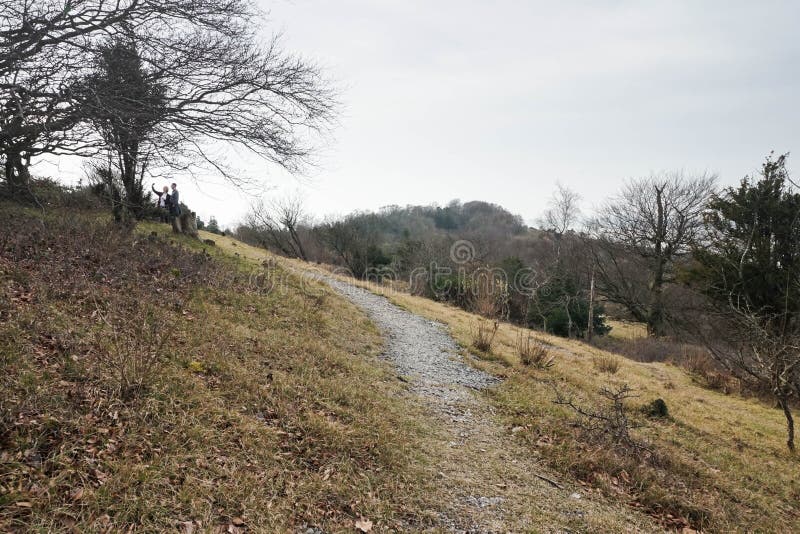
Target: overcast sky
499 100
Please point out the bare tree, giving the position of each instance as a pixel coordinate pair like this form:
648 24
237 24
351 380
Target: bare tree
46 49
278 223
755 350
611 422
563 210
638 237
222 85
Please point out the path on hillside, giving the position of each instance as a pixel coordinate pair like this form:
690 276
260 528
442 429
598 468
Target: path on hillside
494 484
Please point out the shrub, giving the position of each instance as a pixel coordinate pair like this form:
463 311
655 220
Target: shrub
707 372
609 423
606 364
656 409
533 352
483 335
135 348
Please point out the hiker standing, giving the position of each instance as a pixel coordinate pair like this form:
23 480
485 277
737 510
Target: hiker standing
175 209
175 202
162 203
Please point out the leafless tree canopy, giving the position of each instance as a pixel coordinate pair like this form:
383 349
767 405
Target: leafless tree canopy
563 210
644 231
277 224
221 84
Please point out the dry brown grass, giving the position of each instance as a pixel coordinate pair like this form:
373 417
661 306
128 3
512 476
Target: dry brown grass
483 334
605 363
246 410
533 352
696 360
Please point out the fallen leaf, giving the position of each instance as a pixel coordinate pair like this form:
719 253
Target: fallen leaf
187 527
238 521
77 494
364 525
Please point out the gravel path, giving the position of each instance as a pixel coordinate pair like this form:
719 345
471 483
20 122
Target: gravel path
494 484
421 350
428 359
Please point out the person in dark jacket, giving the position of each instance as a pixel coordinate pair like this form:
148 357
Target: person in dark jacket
175 202
163 202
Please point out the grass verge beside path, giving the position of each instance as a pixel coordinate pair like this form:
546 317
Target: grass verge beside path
148 387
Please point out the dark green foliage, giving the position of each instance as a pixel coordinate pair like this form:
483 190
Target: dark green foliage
453 288
750 270
446 218
376 258
560 307
126 106
212 226
755 254
656 409
407 253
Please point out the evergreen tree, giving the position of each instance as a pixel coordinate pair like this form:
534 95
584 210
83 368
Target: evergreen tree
213 226
561 307
749 267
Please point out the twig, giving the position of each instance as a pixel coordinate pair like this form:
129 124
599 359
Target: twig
550 480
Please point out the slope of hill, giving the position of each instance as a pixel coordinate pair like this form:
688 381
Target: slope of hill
150 387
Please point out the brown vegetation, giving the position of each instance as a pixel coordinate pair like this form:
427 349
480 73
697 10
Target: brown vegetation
533 352
150 387
483 335
606 363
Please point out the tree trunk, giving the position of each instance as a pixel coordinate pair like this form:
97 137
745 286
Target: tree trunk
176 224
655 319
784 402
134 191
296 238
17 174
590 326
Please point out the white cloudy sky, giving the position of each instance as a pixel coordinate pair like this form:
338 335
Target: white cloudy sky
499 100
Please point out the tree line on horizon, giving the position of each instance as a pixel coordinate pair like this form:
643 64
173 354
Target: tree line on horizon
718 267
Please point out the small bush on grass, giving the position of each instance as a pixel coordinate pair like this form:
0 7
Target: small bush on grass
657 409
483 335
603 447
135 347
607 423
606 364
533 352
707 372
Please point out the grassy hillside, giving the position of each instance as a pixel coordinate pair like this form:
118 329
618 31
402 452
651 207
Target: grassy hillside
158 383
152 387
717 463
